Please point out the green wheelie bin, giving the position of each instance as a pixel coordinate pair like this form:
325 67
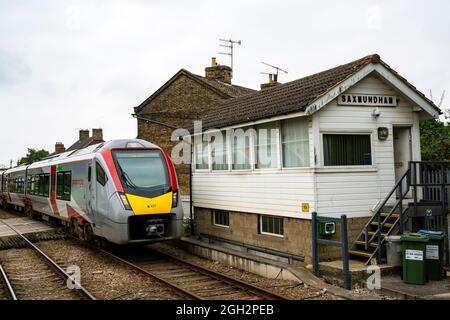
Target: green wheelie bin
434 254
413 252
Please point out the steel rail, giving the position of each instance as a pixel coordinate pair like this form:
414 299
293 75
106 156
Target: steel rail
51 263
7 283
146 272
269 295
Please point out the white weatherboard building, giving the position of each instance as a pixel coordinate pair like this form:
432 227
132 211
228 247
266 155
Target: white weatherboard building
342 138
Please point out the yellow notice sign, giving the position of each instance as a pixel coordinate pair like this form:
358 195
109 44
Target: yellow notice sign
305 207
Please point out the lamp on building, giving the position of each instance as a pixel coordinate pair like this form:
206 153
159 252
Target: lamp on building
376 113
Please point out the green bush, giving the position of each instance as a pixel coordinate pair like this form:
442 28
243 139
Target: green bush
434 140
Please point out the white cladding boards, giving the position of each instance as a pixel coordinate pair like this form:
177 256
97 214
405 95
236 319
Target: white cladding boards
350 191
276 193
356 193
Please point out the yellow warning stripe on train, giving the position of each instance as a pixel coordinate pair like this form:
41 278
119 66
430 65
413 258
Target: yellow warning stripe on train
144 205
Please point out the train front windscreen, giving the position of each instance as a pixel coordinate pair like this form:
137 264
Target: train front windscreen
145 180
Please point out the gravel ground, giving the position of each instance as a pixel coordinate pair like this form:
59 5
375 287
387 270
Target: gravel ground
32 279
105 277
291 289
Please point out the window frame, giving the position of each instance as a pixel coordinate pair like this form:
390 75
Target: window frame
359 132
251 157
277 144
208 162
261 216
217 224
226 135
63 196
280 149
97 166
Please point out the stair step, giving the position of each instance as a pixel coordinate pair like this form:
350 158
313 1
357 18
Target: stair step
360 253
387 225
362 243
371 233
394 215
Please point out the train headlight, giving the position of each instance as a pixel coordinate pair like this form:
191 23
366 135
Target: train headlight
175 199
125 202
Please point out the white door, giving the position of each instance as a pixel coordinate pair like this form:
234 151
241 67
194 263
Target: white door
402 151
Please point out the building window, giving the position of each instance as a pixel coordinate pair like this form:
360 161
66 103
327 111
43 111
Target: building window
295 142
241 149
219 151
100 174
266 146
63 185
347 150
221 218
271 225
201 153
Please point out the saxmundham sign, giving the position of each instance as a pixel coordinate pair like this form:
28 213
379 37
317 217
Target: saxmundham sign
367 100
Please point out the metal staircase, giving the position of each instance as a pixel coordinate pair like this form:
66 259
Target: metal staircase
386 221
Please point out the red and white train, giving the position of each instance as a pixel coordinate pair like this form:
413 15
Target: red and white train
123 191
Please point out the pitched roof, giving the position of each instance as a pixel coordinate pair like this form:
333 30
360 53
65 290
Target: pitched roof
223 89
81 144
294 96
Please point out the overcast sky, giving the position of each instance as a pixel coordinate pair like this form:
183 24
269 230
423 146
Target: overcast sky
68 64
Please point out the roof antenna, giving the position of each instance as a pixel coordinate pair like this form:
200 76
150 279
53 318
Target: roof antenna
230 45
277 69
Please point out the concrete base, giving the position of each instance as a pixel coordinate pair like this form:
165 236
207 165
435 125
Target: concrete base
433 290
265 267
332 271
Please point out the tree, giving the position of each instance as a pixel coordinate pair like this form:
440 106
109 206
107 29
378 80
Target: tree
434 140
33 155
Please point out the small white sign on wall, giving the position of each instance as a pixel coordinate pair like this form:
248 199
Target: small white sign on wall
376 100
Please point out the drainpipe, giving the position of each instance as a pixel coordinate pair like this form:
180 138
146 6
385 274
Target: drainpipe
191 220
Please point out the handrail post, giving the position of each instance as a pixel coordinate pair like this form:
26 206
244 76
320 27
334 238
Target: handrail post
315 261
345 254
401 207
415 188
366 237
443 189
379 238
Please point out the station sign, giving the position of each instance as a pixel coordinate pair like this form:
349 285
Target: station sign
376 100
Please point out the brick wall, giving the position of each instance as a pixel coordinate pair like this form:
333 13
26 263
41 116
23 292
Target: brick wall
178 105
297 233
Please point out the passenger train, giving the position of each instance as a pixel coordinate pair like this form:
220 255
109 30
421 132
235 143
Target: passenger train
122 191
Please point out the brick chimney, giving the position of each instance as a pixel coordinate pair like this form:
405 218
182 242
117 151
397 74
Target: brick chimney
97 135
59 147
84 134
218 72
273 82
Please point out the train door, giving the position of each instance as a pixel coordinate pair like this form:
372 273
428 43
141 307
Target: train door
90 193
102 205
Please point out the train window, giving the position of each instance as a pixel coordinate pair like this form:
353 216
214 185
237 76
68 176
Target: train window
46 183
63 185
100 173
39 184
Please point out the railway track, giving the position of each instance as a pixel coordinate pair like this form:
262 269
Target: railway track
187 280
6 290
29 273
193 279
